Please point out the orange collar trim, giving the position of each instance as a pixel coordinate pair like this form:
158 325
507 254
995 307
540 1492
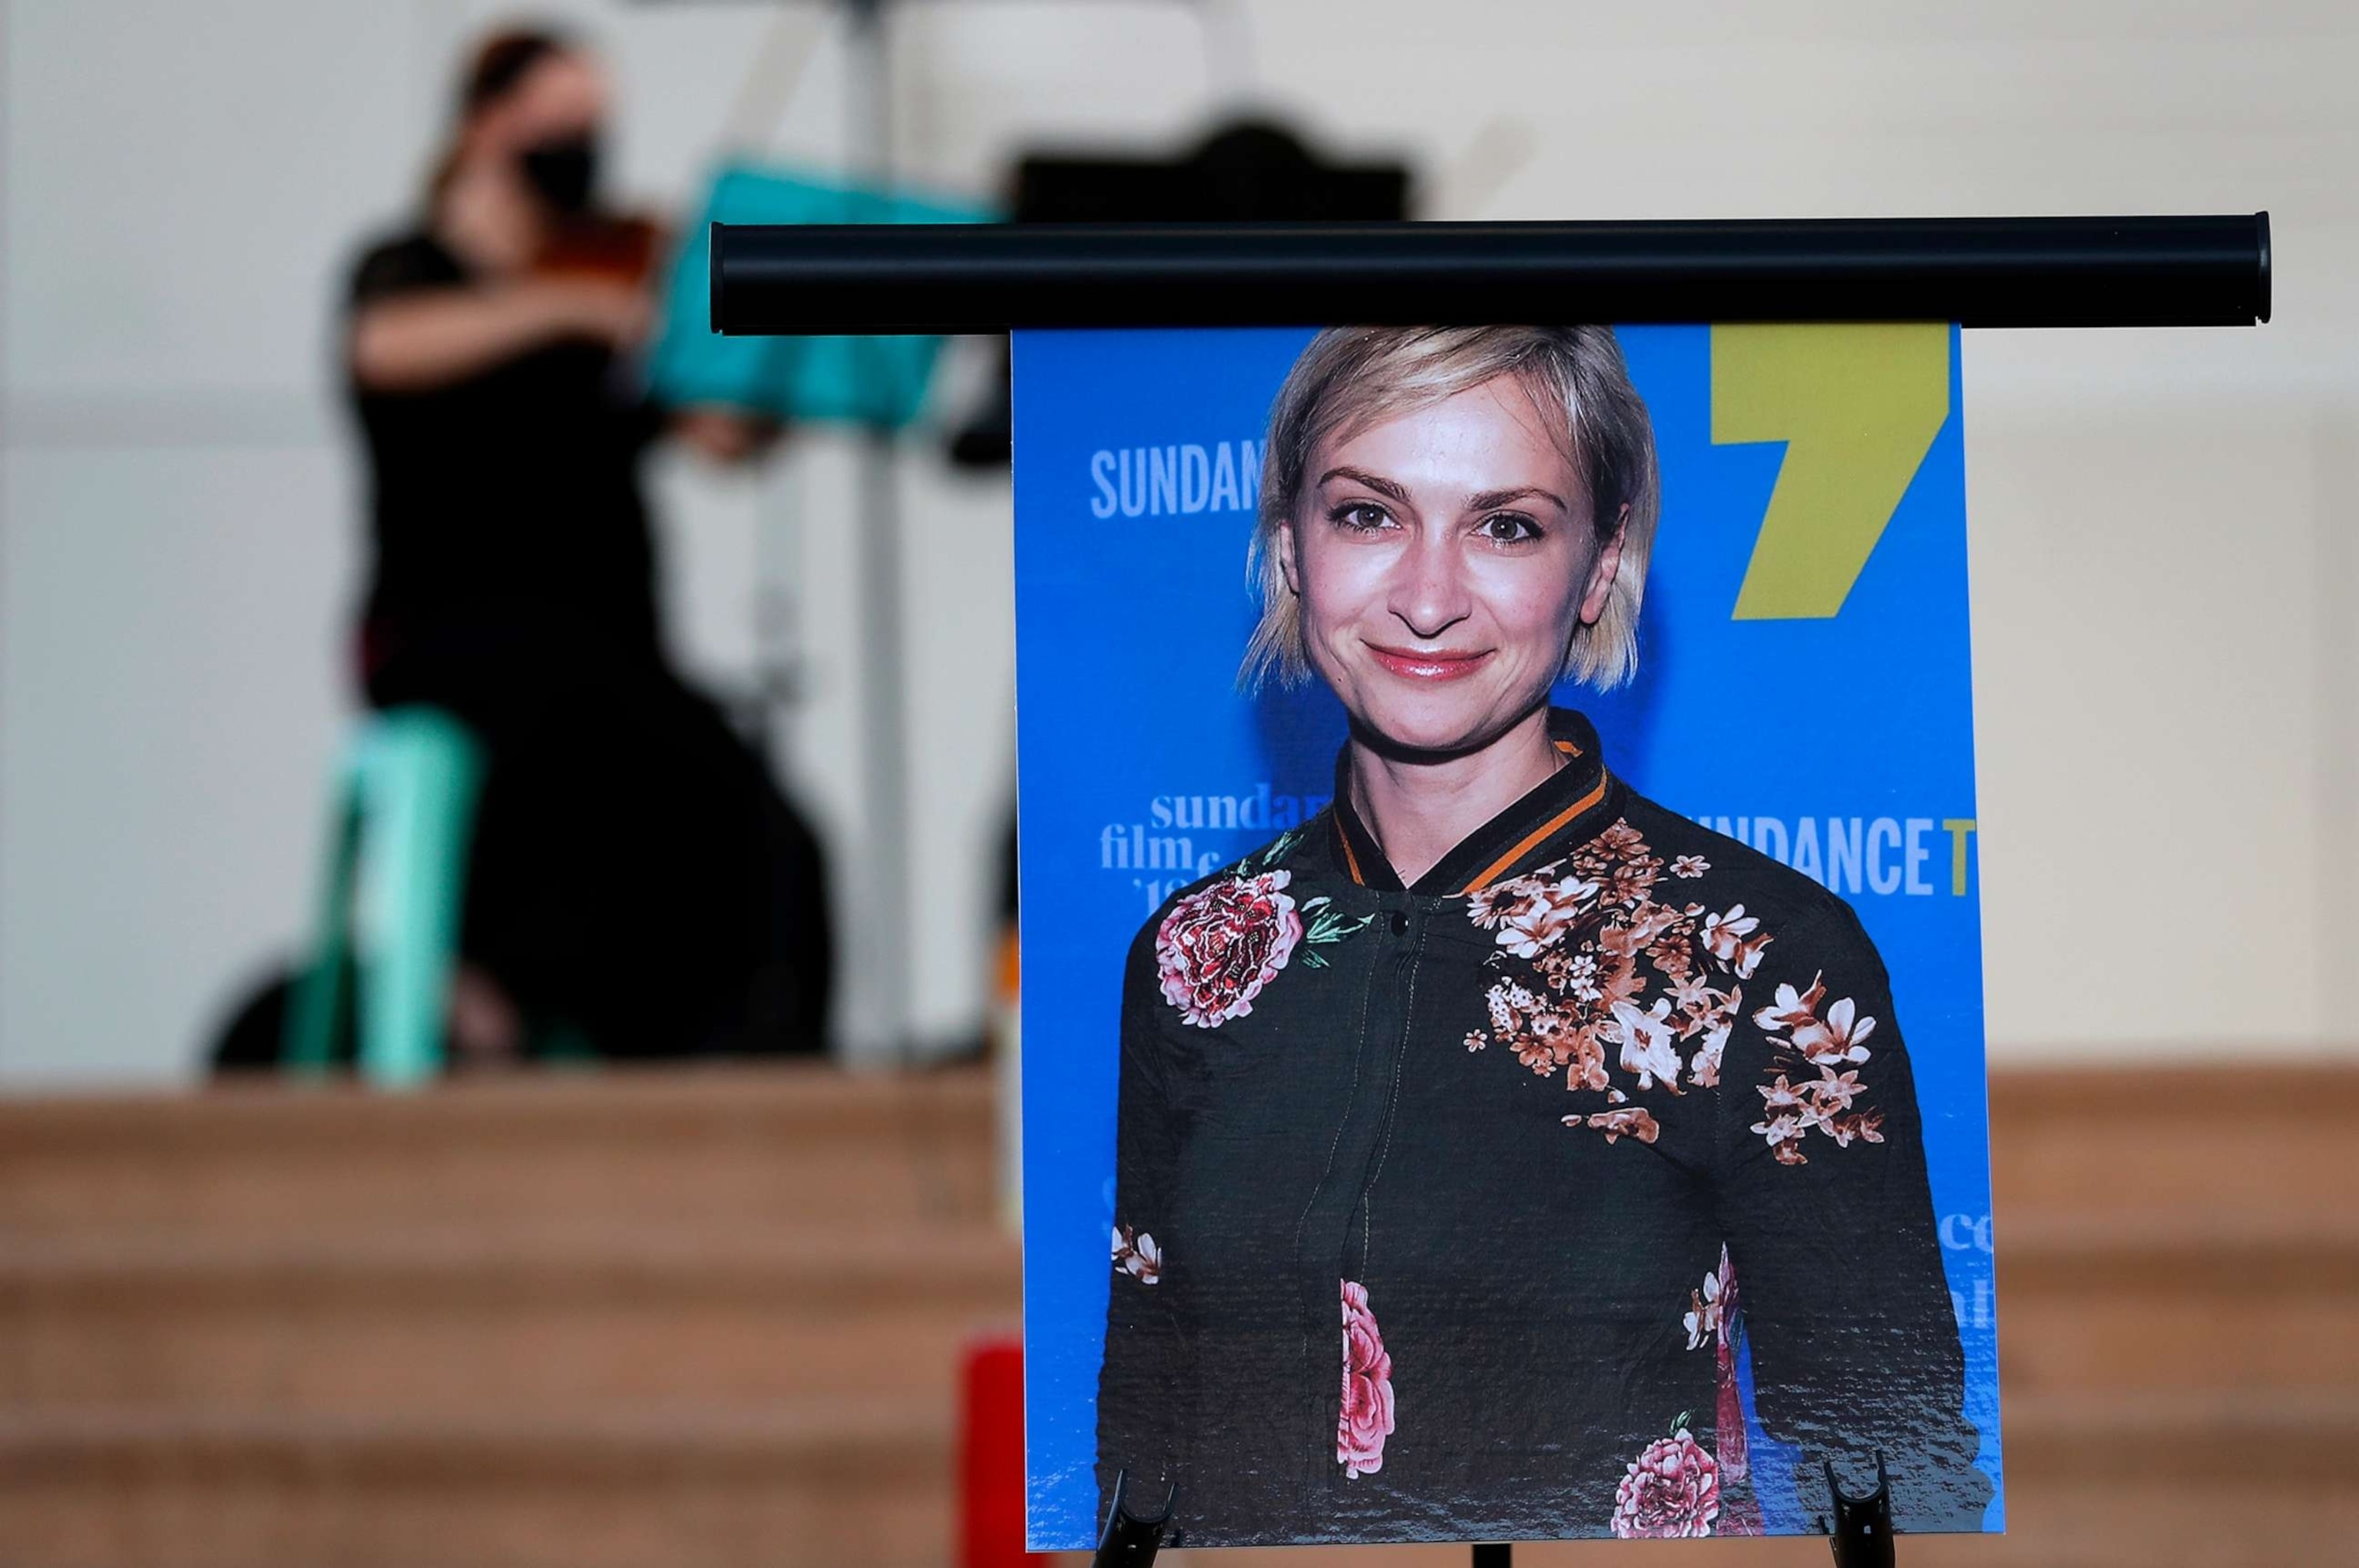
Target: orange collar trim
1351 861
1533 840
1530 842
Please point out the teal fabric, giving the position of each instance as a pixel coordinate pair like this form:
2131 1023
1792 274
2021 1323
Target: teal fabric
877 381
391 898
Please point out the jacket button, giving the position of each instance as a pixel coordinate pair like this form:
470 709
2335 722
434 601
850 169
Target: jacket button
1400 923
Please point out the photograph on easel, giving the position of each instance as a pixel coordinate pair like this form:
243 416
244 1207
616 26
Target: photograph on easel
1503 1029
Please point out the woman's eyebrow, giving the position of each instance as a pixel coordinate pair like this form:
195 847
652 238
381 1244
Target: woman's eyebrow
1382 486
1490 498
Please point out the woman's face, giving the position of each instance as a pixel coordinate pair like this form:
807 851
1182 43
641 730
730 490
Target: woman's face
560 98
1442 559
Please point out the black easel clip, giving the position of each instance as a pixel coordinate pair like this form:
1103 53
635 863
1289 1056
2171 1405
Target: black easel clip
1128 1540
1862 1536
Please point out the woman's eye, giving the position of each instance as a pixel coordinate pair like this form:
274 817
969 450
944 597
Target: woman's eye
1363 516
1509 528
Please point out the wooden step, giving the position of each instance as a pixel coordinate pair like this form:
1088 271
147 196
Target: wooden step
799 1145
709 1317
824 1483
2179 1141
720 1149
450 1322
2176 1302
2093 1483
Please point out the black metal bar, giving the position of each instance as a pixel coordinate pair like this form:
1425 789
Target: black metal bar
1983 272
1494 1554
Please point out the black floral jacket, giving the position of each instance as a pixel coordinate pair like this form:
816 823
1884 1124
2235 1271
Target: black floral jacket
1444 1211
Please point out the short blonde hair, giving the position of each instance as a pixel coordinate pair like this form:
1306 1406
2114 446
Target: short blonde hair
1353 377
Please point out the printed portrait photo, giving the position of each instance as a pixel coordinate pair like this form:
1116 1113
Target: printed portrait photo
1501 1026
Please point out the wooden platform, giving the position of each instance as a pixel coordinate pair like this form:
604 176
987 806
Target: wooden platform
713 1317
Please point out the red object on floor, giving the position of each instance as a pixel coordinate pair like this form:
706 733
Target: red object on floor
991 1457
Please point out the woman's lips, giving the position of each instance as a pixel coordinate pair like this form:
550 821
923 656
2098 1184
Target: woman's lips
1411 665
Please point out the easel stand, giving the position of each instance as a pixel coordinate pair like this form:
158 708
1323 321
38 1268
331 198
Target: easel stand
1860 1535
1130 1540
1977 272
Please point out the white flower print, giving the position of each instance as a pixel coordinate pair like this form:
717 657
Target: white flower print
1835 1092
1790 1111
1135 1253
1705 1074
1487 906
1630 1121
1647 1048
1732 939
1824 1043
1510 1004
1867 1128
1784 1132
1702 1318
1541 917
1599 966
1838 1039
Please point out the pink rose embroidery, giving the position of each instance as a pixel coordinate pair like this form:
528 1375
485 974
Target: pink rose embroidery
1366 1418
1670 1490
1219 946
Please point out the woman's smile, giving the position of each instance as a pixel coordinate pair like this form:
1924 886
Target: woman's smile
1411 664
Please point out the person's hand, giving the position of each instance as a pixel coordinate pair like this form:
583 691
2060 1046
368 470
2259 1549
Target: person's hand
486 1028
725 435
613 313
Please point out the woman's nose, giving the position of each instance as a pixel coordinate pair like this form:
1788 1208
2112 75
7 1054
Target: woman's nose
1428 589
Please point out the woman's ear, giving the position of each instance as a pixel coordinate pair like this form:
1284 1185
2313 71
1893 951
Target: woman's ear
1286 562
1603 572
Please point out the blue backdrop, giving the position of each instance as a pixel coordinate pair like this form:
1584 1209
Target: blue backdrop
1137 457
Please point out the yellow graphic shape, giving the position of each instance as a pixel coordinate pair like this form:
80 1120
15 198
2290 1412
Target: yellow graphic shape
1857 406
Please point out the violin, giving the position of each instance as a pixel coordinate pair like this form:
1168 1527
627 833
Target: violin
613 248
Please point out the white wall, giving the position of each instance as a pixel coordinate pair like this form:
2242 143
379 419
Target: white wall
2163 522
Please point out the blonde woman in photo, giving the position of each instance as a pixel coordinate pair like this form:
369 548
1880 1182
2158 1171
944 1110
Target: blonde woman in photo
1471 1132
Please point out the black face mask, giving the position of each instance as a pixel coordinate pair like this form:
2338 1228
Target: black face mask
563 173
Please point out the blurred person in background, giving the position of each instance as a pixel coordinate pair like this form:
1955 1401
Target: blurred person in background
637 886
